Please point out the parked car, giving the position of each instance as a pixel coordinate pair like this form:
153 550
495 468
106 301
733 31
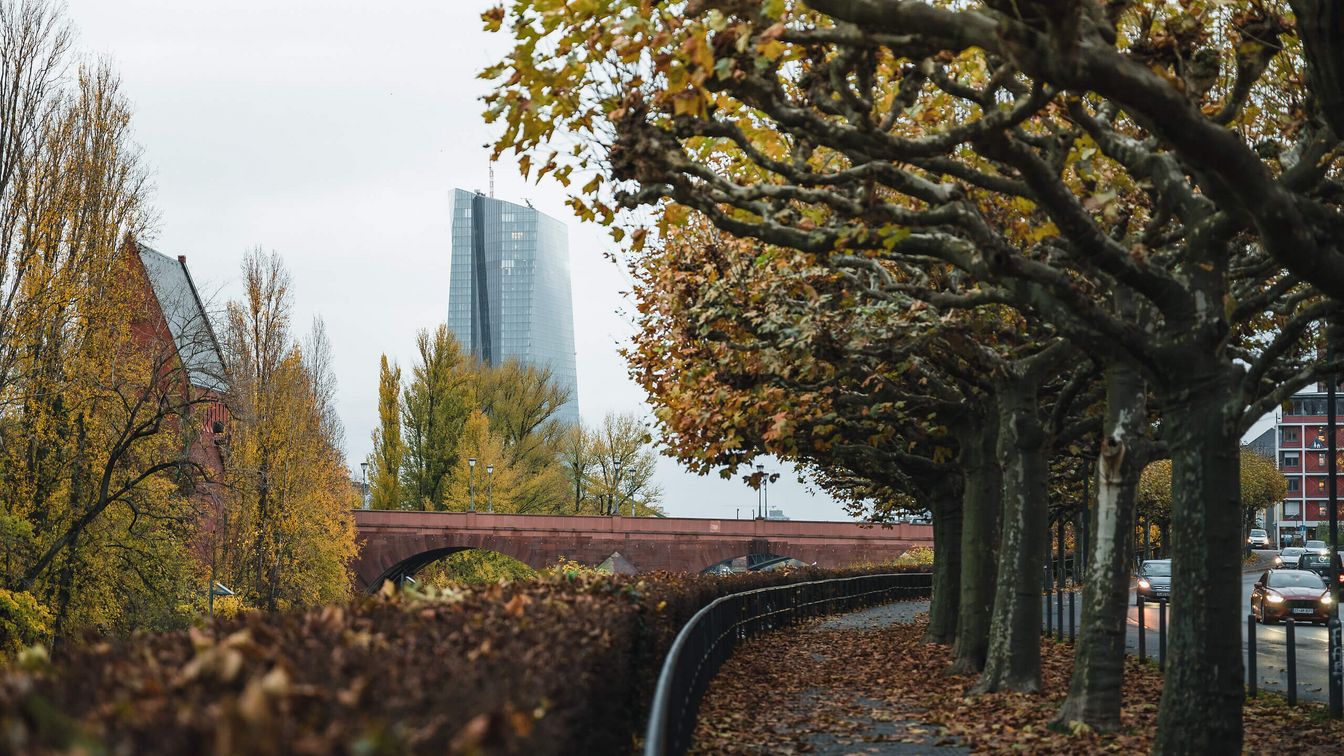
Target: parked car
1258 539
1320 564
1300 594
1153 580
1290 556
1317 547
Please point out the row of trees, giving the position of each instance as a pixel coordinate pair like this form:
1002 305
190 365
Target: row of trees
455 409
952 253
112 516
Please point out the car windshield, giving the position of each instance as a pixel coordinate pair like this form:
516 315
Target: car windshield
1295 580
1260 533
1156 569
1315 544
1293 551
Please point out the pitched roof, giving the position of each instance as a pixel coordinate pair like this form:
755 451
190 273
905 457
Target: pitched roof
186 317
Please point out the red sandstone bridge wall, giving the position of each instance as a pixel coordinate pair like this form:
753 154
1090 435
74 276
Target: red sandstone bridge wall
676 544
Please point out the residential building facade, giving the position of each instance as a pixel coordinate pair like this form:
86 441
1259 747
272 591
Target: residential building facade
1302 456
509 289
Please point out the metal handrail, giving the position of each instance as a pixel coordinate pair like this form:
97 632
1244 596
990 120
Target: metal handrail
737 616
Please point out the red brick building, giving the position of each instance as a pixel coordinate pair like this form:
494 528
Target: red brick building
173 317
1302 447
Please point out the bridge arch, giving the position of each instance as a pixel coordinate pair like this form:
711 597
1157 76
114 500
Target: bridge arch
416 564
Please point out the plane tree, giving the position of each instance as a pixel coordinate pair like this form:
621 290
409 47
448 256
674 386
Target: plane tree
1151 183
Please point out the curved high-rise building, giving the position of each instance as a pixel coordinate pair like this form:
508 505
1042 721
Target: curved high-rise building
509 294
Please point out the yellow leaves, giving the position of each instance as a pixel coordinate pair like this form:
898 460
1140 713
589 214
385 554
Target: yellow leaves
493 18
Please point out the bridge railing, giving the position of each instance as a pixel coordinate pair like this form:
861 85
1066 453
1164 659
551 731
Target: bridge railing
708 639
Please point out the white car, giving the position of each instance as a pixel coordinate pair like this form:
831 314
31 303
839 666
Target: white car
1258 539
1290 556
1317 547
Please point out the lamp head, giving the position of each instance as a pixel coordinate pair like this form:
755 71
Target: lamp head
471 462
490 469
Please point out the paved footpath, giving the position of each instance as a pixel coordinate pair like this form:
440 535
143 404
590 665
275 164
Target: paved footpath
804 692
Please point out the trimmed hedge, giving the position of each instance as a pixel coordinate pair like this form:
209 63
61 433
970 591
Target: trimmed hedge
561 664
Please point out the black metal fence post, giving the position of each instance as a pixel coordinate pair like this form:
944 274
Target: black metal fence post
1252 676
1073 617
1291 640
1049 600
1143 648
1059 577
1162 633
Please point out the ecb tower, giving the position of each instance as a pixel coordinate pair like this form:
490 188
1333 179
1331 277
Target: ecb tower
508 295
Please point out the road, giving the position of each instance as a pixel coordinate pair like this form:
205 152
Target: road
1271 645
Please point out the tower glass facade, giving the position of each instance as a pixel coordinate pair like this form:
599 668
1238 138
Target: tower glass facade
509 294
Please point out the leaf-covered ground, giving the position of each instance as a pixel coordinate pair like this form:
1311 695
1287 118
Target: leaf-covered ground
867 685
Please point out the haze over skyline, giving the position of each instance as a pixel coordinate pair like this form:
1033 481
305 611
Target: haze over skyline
334 134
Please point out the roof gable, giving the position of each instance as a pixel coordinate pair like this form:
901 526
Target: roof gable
186 317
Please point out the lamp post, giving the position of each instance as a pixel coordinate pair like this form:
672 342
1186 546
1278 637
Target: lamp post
365 467
760 493
490 488
471 484
616 483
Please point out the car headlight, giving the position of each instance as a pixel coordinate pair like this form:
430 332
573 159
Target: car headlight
1327 599
1278 560
1274 598
1144 584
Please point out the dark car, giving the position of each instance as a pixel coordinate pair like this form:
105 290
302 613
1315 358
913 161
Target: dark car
1153 580
1300 594
1320 564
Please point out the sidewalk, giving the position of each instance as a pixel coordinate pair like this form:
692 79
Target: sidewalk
816 689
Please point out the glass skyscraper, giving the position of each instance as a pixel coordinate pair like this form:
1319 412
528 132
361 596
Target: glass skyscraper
508 294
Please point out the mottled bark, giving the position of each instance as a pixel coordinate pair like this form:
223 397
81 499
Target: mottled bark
979 537
1098 660
1320 26
945 604
1202 692
1014 658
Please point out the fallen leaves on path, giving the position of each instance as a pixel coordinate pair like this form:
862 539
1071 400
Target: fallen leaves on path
796 691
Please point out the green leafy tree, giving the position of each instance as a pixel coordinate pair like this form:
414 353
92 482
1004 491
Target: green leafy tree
434 411
388 448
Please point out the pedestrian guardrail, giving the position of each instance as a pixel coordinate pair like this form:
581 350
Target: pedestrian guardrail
708 639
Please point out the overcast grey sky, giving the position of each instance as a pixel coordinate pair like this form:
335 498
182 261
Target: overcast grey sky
333 132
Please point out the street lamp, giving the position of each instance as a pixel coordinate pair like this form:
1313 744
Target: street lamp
365 467
616 483
760 493
490 488
471 484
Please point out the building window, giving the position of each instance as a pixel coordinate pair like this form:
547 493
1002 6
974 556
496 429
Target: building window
1290 459
1288 433
1294 483
1318 486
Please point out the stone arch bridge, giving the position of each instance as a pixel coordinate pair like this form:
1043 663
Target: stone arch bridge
397 544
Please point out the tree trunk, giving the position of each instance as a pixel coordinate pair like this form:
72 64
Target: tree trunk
1014 659
979 536
946 600
1098 660
1202 692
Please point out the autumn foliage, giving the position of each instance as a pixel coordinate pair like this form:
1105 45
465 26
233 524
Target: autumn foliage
561 664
